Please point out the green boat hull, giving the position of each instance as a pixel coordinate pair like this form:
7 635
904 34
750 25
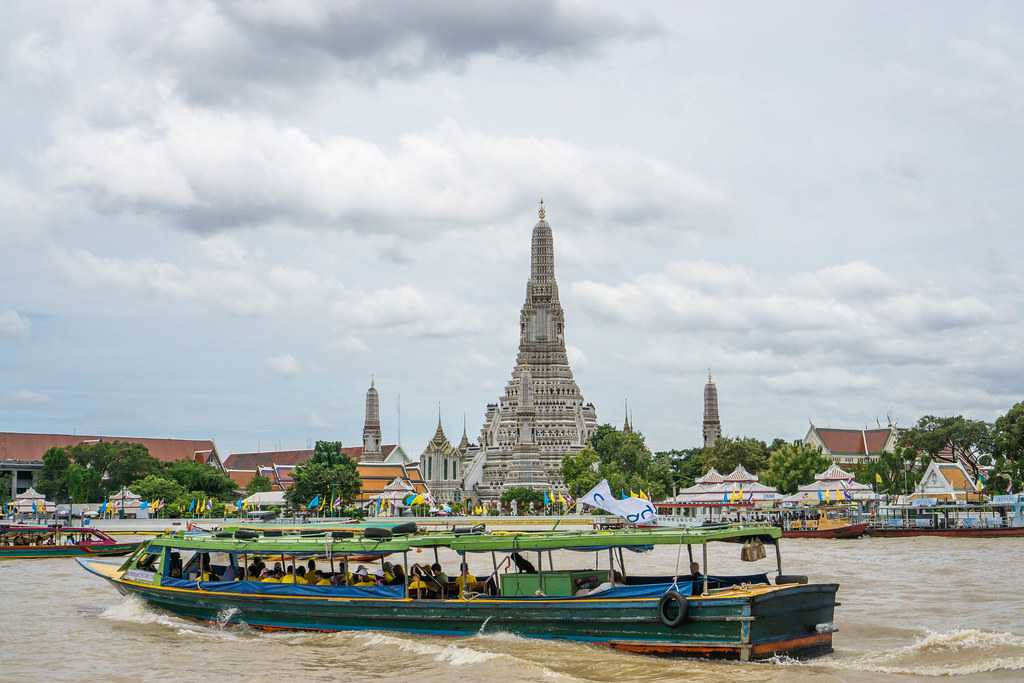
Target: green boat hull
42 552
794 620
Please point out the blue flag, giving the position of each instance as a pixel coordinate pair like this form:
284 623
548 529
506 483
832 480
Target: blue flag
103 508
314 503
821 495
192 506
239 504
547 499
144 505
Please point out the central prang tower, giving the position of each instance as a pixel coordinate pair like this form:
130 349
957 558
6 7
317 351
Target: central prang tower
542 416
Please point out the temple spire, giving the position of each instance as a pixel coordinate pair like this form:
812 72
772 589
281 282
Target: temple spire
712 423
371 424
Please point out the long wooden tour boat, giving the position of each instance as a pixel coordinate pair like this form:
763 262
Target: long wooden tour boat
1001 517
213 577
22 541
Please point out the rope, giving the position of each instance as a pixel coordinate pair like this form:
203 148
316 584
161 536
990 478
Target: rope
679 554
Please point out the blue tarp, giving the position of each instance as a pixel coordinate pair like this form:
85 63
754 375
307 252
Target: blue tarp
261 588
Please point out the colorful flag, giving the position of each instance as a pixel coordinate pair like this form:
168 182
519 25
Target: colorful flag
313 503
239 504
547 499
878 478
821 496
144 505
191 506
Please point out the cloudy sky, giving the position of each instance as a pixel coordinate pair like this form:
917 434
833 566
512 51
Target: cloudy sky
219 219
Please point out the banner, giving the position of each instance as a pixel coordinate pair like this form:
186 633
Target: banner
633 510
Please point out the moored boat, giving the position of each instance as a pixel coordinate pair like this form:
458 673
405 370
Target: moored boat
22 541
826 523
699 614
1001 517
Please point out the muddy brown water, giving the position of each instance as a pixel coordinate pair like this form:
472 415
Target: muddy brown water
912 609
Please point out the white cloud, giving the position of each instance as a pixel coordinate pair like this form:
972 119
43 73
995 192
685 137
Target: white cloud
12 324
409 311
848 280
286 365
23 398
577 358
210 171
349 344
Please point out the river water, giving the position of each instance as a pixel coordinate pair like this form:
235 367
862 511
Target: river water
912 609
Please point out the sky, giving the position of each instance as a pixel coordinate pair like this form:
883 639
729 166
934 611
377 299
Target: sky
219 220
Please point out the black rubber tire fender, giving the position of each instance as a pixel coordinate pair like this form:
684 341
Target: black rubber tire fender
790 578
672 596
376 532
407 528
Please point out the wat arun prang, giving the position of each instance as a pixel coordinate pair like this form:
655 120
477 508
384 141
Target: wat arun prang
542 417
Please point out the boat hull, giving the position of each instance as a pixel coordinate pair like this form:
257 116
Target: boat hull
28 552
950 533
758 622
848 531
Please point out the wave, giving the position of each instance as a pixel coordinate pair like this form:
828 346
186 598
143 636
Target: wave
959 652
134 610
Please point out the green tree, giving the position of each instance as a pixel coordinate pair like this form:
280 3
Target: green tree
5 486
319 477
580 471
791 465
53 478
1008 450
153 487
621 458
727 453
686 465
328 453
524 498
899 470
932 434
259 484
127 462
85 485
195 476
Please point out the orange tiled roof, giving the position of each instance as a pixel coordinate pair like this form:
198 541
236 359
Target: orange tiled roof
21 447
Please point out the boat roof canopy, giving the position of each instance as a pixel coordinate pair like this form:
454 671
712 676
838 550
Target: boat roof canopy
509 541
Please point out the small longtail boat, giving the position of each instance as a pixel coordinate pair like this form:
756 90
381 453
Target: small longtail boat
204 577
21 541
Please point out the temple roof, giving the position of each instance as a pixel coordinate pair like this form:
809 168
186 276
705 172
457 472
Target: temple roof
834 473
740 474
710 477
439 443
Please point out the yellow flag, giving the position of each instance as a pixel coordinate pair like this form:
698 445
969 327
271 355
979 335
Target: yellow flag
878 478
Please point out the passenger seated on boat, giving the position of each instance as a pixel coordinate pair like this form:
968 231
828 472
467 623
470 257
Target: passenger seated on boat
270 576
584 586
361 578
289 575
416 582
397 576
148 563
321 580
695 569
207 574
174 570
310 566
300 575
464 578
438 574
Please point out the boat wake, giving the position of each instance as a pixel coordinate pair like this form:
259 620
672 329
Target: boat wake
959 652
455 655
133 610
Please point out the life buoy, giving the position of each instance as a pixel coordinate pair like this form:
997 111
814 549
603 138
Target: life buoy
681 607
